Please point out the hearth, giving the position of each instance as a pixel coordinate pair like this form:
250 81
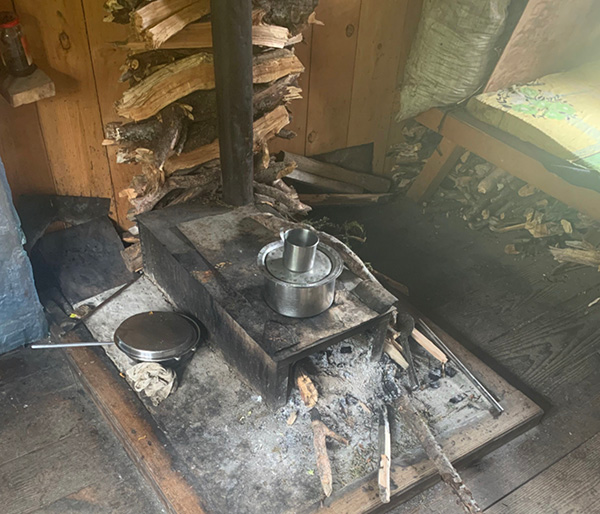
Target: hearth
205 259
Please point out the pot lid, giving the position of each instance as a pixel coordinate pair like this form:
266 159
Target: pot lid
327 267
157 336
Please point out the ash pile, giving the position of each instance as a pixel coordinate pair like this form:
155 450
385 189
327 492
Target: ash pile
344 393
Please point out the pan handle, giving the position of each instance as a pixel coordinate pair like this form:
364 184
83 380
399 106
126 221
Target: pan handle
69 345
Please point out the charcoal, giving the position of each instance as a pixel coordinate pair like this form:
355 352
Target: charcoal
435 374
458 398
450 371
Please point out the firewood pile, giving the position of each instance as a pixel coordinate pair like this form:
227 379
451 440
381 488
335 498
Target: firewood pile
487 197
170 106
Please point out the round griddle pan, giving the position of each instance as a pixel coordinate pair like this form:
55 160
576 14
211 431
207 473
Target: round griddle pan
149 337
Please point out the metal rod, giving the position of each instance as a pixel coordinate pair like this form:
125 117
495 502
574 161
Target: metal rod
69 345
232 48
490 398
69 325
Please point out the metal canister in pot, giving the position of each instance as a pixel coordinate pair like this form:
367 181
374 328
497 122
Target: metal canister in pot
14 49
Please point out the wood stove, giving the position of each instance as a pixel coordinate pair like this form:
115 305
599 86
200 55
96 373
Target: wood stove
205 259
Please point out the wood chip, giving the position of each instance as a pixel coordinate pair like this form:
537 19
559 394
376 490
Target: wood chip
292 418
566 225
429 346
308 391
527 190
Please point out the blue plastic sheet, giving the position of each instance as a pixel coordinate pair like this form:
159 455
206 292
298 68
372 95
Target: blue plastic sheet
21 316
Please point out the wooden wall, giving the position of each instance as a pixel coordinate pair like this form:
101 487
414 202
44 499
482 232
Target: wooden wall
352 65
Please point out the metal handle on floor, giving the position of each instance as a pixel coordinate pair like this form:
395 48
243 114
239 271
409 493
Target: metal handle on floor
69 345
489 397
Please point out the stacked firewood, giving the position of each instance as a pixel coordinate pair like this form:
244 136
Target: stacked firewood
171 100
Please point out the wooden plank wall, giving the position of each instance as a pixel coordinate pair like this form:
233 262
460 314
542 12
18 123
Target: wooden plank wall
353 63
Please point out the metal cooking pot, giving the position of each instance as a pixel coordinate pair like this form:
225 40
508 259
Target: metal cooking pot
299 295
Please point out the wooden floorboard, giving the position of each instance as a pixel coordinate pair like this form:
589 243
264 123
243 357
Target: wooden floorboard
19 364
56 454
569 486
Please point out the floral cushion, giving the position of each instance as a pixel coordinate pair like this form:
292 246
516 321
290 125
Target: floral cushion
559 113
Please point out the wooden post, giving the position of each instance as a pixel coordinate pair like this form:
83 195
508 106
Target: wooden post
436 168
232 44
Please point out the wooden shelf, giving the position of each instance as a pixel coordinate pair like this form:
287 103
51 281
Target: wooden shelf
25 90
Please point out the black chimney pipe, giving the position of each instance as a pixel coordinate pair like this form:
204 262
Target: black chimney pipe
232 46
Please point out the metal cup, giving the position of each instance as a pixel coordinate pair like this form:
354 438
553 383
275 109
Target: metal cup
299 249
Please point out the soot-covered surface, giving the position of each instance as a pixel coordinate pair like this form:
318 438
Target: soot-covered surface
244 456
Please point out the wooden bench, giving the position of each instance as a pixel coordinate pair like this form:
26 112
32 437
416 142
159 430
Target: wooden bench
460 132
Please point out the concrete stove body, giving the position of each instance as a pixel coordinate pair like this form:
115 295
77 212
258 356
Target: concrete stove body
205 260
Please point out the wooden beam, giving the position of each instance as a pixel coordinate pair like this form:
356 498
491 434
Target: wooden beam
232 43
510 154
436 168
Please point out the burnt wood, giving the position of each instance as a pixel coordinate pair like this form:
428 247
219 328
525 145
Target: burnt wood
232 44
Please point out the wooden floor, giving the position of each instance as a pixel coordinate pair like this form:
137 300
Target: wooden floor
57 454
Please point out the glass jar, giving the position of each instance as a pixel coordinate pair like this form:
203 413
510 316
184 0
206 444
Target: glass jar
13 46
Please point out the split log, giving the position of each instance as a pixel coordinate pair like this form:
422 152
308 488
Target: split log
202 180
270 124
431 348
196 157
157 11
282 209
162 19
141 65
585 254
291 201
275 171
264 129
308 391
345 199
489 183
202 106
273 65
320 434
166 86
385 457
293 14
132 255
394 353
273 36
434 451
196 72
119 11
161 32
199 36
174 119
281 91
366 181
351 260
